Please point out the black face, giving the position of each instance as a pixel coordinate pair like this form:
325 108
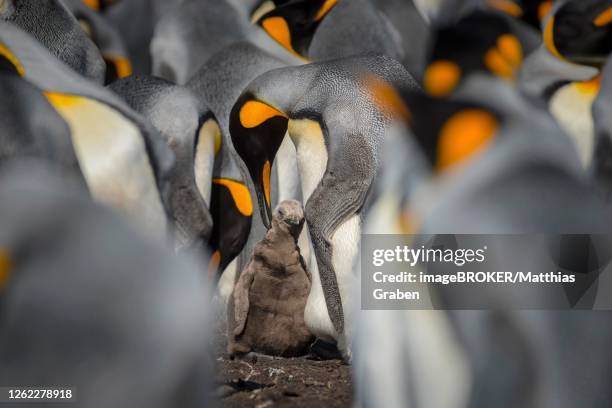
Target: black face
467 42
582 31
231 225
7 66
257 131
297 22
449 131
530 12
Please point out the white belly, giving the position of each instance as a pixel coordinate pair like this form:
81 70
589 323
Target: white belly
312 163
113 159
572 109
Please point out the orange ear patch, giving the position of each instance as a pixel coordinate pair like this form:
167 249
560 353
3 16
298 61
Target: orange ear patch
6 53
278 29
507 6
254 113
464 134
267 169
441 77
604 18
5 268
240 195
325 9
504 59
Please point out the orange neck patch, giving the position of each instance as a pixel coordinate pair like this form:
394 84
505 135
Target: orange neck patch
590 87
5 268
240 195
441 78
464 134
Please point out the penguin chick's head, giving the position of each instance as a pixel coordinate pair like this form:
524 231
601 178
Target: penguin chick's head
580 32
289 215
480 42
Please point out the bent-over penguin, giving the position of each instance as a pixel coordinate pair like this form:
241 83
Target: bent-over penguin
337 131
122 157
115 310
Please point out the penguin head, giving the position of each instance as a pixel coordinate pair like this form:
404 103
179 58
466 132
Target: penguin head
481 42
257 130
450 133
289 216
53 25
106 38
293 24
580 32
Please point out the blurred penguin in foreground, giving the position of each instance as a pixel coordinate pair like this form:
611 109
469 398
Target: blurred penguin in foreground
86 302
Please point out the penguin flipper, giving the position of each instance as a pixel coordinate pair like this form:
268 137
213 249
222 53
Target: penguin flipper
340 195
241 298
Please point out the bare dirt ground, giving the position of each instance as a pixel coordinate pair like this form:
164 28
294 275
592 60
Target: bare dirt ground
283 382
279 382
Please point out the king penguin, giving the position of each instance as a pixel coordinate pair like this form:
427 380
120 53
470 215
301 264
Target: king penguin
337 132
191 33
565 71
180 118
115 310
237 227
52 24
106 37
327 29
123 158
488 175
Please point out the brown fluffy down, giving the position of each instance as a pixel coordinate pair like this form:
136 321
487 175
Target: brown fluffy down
266 308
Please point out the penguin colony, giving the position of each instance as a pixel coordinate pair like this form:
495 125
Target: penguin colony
144 144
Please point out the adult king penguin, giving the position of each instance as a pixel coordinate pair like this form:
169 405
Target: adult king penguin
115 310
565 71
123 159
337 131
106 37
182 120
53 25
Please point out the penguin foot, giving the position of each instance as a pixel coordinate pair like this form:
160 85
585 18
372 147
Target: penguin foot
322 350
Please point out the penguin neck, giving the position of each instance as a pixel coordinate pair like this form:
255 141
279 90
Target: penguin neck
571 105
311 153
